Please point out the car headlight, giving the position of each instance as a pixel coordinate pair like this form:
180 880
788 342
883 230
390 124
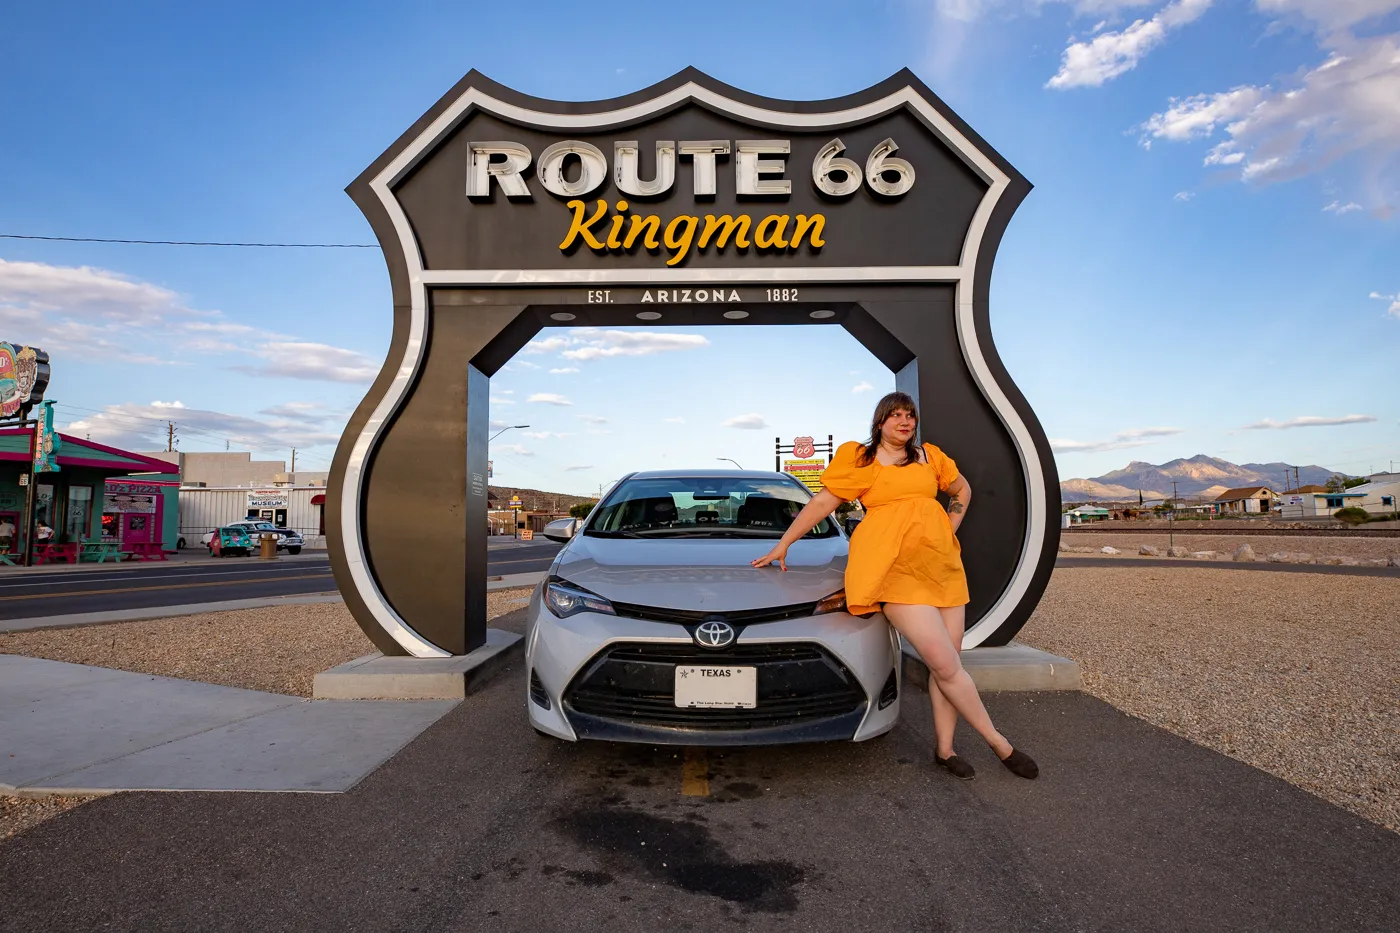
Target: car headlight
564 600
836 602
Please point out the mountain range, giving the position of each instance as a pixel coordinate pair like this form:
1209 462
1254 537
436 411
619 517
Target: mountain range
1196 477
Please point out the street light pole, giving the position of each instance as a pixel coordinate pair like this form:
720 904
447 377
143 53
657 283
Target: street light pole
504 430
514 518
735 462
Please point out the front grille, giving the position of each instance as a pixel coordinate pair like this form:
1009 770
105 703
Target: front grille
695 617
537 691
634 683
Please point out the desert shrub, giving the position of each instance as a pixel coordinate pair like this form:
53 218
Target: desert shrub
1352 515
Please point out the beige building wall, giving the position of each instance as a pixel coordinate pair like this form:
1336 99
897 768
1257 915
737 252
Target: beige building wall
226 468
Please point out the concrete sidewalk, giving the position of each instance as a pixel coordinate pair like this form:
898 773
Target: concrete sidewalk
68 728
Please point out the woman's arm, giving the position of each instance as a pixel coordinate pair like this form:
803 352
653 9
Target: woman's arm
959 497
820 506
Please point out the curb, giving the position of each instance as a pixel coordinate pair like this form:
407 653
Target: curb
1013 667
376 677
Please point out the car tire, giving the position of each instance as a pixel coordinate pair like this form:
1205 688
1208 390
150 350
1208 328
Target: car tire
180 544
293 550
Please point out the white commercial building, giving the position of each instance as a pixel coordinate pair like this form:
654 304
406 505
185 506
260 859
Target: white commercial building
300 508
1380 495
1302 505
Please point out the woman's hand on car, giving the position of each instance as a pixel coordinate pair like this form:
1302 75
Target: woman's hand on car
778 554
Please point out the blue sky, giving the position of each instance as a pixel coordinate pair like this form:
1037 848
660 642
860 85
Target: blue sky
1210 262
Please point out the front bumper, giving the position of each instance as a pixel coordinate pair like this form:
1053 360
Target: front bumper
820 678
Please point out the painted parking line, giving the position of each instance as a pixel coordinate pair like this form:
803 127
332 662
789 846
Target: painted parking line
695 773
168 586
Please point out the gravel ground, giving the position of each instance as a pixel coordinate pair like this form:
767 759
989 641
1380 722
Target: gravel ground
277 650
1297 677
1263 545
19 813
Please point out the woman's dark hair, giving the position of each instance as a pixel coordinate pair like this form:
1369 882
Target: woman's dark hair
895 401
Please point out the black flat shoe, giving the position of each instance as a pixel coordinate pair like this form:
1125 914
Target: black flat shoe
1021 765
956 767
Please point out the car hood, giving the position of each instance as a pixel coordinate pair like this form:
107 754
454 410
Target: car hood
701 574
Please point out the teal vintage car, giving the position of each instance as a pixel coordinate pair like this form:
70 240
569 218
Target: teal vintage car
230 539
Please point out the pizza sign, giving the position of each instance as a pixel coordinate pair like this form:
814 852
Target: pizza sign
803 447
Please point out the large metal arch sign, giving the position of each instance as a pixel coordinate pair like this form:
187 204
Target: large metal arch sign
687 203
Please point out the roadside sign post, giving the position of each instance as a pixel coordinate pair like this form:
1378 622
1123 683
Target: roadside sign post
515 506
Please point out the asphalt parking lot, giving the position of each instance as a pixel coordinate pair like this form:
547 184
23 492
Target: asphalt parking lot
481 825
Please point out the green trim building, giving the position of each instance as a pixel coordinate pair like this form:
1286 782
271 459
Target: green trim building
99 493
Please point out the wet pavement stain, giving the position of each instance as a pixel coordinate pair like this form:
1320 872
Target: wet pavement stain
589 879
685 855
744 789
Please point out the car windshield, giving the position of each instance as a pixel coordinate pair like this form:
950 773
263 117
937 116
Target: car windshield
704 507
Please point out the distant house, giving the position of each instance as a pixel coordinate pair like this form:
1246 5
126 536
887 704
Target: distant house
1316 502
1380 495
1088 513
1254 500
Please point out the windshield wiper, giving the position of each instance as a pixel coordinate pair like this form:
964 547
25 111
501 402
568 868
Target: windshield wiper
599 533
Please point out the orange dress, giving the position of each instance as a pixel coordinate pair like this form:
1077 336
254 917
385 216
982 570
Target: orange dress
904 550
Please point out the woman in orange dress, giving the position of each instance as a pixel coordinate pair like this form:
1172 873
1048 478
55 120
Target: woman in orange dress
905 559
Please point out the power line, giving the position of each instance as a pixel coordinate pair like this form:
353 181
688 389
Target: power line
96 239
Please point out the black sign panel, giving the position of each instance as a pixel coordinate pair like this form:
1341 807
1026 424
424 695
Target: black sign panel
688 203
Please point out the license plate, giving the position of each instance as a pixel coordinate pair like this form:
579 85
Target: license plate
705 686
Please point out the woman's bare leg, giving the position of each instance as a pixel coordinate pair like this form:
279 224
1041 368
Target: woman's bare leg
945 715
923 627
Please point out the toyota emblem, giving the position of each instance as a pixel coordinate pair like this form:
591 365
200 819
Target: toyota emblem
714 634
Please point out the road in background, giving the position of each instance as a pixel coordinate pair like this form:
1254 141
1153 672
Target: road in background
25 595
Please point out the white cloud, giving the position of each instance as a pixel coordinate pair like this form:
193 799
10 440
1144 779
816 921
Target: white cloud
674 420
135 426
547 345
577 467
563 370
1329 15
1198 117
497 400
750 422
549 398
593 419
862 387
1337 207
1183 196
592 343
292 359
1132 437
1394 309
1093 62
518 450
1309 421
1348 107
87 312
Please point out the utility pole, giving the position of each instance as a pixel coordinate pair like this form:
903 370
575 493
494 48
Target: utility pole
294 463
169 436
1171 520
1297 484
